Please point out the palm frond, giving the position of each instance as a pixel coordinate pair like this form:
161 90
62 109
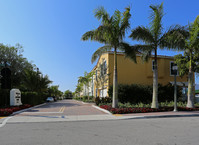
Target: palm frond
194 33
88 35
125 23
103 34
143 34
130 51
146 53
156 20
95 35
101 14
174 38
99 52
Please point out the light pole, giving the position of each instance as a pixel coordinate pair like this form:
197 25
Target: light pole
175 70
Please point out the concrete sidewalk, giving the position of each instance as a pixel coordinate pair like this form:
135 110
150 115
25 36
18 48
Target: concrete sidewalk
163 114
20 119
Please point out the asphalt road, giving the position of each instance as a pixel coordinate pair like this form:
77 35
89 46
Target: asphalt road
159 131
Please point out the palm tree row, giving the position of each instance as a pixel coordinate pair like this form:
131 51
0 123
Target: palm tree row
111 33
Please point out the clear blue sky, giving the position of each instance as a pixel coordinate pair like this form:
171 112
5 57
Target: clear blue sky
50 30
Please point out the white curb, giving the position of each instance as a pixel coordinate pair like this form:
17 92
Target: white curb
104 110
5 121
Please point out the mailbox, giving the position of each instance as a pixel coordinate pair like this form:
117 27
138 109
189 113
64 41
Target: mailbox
15 97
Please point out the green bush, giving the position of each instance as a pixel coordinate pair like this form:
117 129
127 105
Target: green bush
85 98
33 98
4 97
135 94
89 99
104 100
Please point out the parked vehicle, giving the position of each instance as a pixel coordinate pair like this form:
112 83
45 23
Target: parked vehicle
55 98
50 99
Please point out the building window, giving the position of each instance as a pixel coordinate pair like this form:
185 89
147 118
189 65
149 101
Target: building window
96 93
172 72
153 63
103 93
103 68
96 74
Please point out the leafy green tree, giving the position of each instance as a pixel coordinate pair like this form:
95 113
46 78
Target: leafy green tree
68 94
78 89
111 32
35 81
189 62
152 38
12 57
54 90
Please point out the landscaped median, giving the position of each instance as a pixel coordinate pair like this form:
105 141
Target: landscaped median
9 110
125 108
143 109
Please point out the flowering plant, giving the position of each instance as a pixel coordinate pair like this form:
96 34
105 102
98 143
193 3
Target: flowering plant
9 110
143 109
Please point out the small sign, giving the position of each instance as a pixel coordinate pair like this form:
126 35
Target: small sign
15 97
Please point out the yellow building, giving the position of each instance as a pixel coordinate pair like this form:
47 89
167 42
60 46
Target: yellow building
132 73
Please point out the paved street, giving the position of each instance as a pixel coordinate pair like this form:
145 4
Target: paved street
63 108
159 131
70 122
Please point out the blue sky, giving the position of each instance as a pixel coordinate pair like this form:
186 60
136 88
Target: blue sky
50 30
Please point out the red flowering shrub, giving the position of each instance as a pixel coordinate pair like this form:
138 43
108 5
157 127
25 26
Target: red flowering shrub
10 110
143 110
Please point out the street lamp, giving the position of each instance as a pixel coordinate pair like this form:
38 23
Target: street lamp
175 70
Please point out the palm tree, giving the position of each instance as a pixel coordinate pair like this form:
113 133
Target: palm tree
152 37
111 32
189 62
35 81
78 89
86 79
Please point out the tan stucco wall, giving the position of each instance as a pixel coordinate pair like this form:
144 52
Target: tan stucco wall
137 73
141 72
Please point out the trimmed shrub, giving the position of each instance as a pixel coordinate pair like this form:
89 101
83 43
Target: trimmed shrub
135 94
4 97
104 100
33 98
143 109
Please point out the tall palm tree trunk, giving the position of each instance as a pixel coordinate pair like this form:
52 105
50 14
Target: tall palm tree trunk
155 83
190 99
88 92
115 82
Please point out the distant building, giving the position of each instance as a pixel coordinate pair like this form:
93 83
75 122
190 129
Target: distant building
131 73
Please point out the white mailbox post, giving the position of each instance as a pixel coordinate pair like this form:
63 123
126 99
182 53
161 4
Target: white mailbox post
15 97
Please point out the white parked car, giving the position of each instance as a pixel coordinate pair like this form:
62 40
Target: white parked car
50 99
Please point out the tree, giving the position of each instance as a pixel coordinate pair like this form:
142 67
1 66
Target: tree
86 79
189 38
11 57
78 88
68 94
35 81
152 37
54 90
111 32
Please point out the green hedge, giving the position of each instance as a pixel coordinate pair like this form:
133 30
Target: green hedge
4 97
33 98
143 93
